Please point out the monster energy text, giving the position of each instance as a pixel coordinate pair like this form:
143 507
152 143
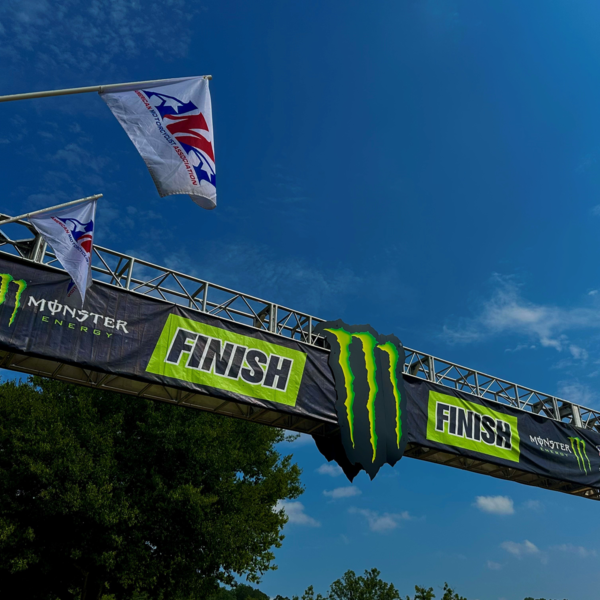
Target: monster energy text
82 320
56 309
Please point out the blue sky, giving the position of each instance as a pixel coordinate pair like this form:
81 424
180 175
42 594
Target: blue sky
430 167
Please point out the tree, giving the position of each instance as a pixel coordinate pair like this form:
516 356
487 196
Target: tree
240 592
370 587
427 594
450 594
364 587
352 587
422 593
103 493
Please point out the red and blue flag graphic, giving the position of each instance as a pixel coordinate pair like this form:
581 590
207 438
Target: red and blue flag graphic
170 124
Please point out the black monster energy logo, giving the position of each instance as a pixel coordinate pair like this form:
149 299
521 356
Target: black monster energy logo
370 403
21 285
578 447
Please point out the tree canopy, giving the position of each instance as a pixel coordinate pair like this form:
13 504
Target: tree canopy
354 587
108 494
240 592
370 587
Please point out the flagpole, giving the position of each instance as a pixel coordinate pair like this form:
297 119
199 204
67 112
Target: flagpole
84 90
43 210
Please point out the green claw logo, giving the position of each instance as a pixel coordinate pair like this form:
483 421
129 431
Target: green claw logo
6 279
371 402
578 447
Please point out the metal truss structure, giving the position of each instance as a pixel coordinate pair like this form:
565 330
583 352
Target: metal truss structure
139 276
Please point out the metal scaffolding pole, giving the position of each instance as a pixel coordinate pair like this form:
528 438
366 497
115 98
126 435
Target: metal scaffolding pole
92 88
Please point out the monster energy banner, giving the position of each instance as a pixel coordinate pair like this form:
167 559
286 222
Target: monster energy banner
370 396
380 411
149 340
358 385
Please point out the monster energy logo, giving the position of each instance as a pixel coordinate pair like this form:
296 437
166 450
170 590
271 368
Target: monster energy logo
21 285
370 401
578 447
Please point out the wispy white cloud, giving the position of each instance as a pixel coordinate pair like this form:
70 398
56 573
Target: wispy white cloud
576 392
533 505
330 469
381 522
497 505
520 347
259 270
578 353
506 311
579 551
527 548
92 37
73 155
296 514
342 492
494 566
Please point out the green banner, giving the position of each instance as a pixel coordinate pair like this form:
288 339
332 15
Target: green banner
198 353
456 422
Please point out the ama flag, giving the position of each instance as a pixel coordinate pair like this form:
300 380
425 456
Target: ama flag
70 233
170 123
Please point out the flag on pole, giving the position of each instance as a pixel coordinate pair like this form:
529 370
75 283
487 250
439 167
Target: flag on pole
170 123
70 233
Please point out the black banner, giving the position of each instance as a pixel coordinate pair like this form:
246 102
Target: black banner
154 341
464 424
140 337
370 396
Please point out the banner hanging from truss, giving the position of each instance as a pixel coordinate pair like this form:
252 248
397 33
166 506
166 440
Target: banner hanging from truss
150 340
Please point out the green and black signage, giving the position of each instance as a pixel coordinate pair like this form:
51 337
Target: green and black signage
146 339
463 424
199 353
19 285
459 423
357 389
370 396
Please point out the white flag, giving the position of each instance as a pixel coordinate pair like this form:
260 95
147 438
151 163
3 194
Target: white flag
70 233
170 123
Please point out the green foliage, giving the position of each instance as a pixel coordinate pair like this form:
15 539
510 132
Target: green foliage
450 594
103 493
427 594
240 592
352 587
422 593
370 587
364 587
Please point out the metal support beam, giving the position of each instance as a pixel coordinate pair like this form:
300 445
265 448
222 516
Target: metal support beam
174 287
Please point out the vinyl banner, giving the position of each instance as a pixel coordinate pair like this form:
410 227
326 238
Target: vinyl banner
463 424
146 339
150 340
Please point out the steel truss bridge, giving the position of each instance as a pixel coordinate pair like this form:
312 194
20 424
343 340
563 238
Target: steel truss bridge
139 276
